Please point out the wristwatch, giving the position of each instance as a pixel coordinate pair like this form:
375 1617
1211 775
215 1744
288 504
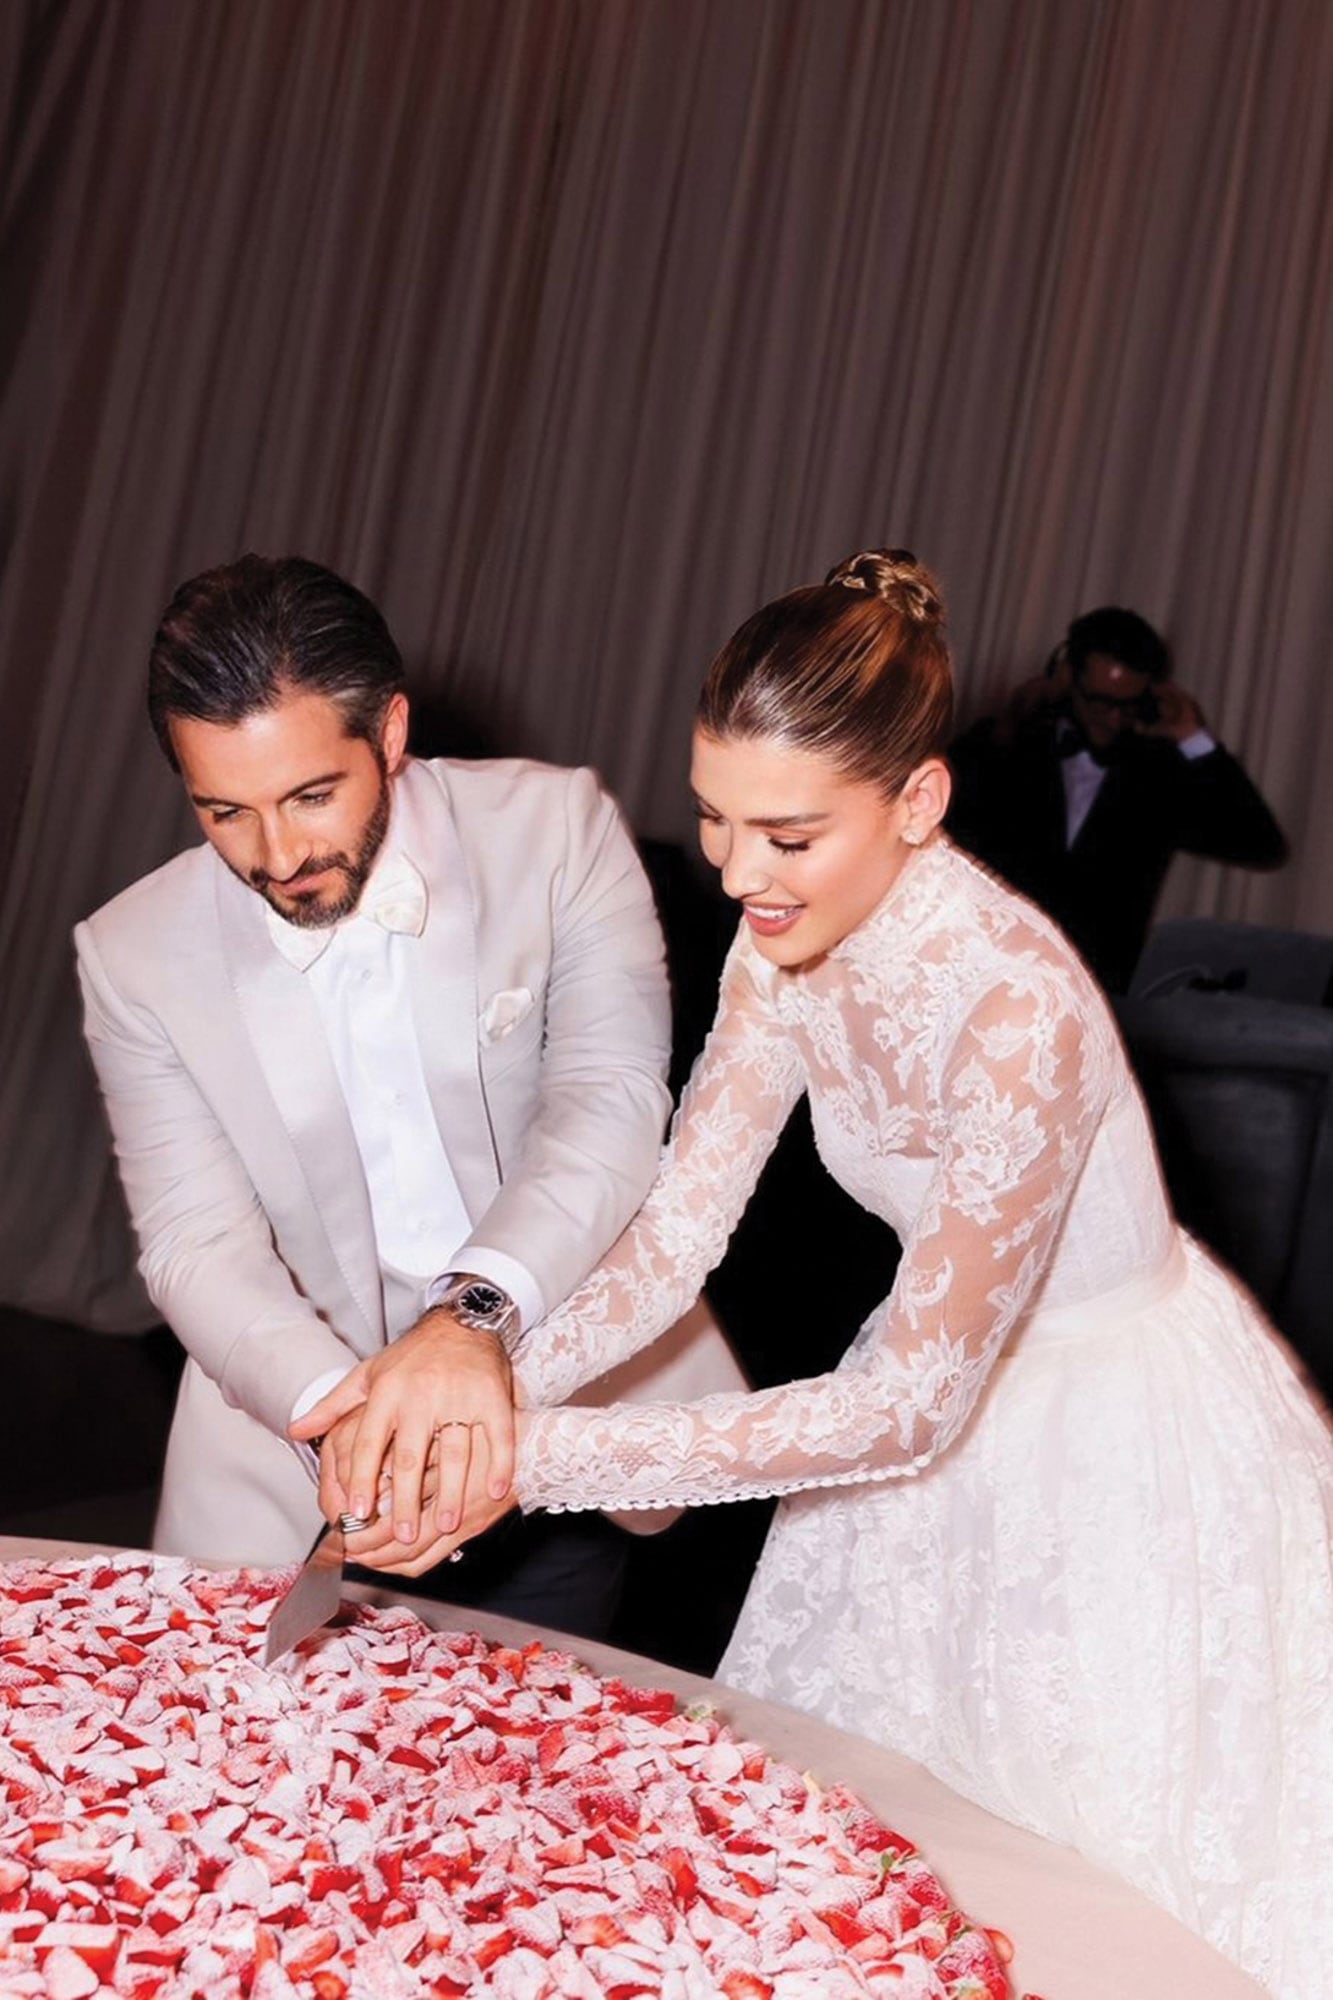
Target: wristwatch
476 1302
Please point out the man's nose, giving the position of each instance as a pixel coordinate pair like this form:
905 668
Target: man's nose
283 850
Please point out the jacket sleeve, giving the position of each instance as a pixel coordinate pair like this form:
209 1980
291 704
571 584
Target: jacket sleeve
589 1154
1221 814
205 1248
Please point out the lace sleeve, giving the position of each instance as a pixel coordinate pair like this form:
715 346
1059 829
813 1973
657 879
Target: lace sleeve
1018 1098
735 1104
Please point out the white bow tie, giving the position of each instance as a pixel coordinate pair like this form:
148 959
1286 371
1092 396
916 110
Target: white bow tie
395 898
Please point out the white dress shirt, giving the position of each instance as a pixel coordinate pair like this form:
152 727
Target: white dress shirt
358 978
1083 776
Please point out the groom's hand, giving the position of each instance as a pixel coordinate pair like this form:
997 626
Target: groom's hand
441 1388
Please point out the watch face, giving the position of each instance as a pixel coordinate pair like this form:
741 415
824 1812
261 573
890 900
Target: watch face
484 1300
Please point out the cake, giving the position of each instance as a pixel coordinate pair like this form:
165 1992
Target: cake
396 1811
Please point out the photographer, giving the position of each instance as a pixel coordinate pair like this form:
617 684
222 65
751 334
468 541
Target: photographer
1094 775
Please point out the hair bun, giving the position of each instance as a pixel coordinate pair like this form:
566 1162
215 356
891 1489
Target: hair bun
896 578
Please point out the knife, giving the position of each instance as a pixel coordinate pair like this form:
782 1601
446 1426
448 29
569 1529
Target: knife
314 1597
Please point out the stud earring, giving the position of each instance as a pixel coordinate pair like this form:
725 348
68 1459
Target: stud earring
912 837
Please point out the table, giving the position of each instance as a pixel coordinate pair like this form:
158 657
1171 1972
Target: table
1078 1933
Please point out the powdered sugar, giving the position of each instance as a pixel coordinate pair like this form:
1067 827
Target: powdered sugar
411 1812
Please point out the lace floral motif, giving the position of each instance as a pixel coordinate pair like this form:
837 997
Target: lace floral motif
946 1030
1103 1604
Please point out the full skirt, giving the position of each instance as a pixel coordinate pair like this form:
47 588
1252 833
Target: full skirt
1105 1614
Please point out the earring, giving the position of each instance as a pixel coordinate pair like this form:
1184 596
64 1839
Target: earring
912 837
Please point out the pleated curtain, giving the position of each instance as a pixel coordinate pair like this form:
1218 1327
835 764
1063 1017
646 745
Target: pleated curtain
572 330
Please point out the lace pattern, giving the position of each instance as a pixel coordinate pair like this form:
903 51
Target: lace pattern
1102 1605
950 1028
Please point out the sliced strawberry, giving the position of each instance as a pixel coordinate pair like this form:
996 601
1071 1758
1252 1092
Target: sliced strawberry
95 1943
605 1805
68 1977
69 1862
492 1945
971 1957
654 1702
743 1985
566 1853
327 1881
602 1931
684 1875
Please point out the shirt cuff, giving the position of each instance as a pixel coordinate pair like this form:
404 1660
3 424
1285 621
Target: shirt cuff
1197 745
502 1270
313 1393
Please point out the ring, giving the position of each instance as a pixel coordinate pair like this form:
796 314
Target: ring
352 1524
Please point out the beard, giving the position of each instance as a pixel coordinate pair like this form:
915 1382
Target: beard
312 911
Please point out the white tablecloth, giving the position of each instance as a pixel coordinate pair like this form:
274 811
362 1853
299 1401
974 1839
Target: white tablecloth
1078 1933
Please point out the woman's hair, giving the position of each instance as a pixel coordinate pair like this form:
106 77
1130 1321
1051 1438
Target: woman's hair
855 668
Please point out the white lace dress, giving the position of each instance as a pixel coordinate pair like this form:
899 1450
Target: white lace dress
1058 1526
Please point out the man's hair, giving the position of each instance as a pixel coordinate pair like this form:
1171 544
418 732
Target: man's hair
1120 635
238 639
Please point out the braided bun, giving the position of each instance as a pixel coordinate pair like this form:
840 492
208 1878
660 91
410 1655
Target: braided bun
897 579
858 674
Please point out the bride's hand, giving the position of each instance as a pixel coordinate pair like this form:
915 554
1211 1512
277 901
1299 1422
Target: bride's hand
441 1387
480 1512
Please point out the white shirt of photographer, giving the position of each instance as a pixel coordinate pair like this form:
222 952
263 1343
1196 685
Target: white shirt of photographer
1082 776
358 977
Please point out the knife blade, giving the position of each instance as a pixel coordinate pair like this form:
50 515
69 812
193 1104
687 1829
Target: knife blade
314 1597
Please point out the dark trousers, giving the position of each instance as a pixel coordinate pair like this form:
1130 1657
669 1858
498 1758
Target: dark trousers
564 1571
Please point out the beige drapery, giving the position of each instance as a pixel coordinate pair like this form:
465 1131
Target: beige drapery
572 329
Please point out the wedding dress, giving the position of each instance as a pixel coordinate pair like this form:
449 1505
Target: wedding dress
1058 1526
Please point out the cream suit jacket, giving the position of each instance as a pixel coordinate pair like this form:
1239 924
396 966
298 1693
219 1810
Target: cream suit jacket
237 1153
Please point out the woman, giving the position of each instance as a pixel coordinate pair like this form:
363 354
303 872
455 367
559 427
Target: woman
1058 1527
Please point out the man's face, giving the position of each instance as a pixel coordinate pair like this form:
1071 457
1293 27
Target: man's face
1105 697
296 808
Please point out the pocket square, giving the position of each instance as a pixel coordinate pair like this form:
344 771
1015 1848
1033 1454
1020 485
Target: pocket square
503 1012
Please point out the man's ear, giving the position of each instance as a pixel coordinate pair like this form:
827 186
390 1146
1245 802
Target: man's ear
393 732
1058 670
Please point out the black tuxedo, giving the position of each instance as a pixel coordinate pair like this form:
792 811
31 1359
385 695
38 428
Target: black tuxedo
1009 810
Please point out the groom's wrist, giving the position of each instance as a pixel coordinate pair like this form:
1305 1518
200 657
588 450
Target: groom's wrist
478 1303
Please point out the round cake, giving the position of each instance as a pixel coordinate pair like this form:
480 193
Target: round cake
396 1811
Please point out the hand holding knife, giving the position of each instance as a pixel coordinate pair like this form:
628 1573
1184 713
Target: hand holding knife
317 1592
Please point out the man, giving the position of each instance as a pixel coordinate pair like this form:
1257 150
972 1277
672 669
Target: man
1097 773
385 1053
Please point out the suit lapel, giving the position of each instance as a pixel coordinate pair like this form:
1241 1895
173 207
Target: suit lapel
444 985
285 1031
1106 810
1050 802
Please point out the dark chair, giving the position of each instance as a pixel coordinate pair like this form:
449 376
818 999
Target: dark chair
1241 1096
1209 956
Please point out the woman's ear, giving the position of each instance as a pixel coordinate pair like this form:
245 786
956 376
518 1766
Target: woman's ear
925 799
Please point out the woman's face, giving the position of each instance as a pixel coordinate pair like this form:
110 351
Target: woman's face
805 850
